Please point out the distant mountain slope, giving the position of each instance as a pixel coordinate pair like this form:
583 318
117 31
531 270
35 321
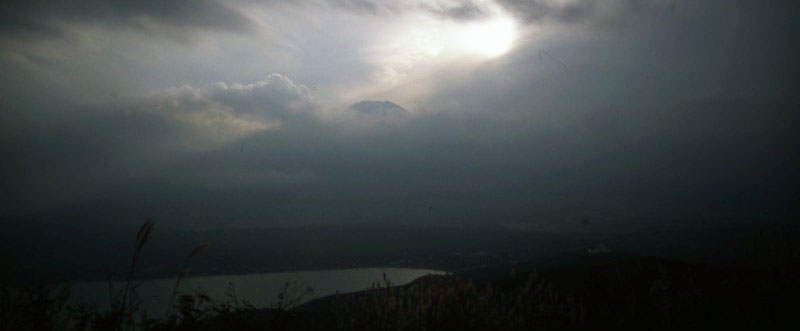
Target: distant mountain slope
379 108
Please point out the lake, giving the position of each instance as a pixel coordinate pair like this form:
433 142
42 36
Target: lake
260 290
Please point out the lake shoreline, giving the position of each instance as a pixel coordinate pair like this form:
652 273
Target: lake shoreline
152 277
260 289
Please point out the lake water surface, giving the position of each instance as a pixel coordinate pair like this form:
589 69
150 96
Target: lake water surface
261 290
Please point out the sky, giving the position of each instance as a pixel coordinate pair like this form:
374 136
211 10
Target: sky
535 114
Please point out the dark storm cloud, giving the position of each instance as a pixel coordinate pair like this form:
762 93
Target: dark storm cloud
66 156
41 17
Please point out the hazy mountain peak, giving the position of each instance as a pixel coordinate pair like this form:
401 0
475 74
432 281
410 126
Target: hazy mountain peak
378 108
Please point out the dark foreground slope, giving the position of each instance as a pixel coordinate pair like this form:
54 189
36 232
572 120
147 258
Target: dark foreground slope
587 289
615 294
596 293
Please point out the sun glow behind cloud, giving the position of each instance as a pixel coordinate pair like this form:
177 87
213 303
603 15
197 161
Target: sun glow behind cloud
425 37
417 46
490 38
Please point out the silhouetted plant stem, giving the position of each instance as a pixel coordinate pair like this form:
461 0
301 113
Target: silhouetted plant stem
183 273
142 237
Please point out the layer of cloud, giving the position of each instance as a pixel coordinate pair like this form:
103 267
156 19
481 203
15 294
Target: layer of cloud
693 114
41 17
609 13
459 10
234 110
104 147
